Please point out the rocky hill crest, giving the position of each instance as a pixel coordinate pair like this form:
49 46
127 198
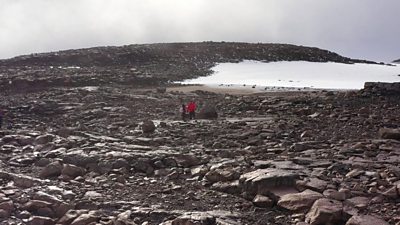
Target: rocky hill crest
146 64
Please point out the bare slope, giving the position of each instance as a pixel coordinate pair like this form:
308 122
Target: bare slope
149 64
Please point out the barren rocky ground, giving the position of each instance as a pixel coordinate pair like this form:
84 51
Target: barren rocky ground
116 153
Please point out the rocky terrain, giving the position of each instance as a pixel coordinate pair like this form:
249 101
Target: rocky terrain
144 65
120 154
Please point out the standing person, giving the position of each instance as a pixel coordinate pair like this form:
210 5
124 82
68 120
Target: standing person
191 108
1 117
183 112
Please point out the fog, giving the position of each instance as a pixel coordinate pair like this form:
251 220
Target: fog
366 29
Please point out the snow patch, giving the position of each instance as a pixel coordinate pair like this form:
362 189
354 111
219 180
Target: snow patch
298 74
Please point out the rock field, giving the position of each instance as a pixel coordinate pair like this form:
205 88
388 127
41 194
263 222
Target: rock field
119 154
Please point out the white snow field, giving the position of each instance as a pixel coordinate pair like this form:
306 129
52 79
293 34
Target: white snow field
298 74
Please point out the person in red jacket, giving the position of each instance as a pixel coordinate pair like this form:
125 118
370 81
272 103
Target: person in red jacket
191 108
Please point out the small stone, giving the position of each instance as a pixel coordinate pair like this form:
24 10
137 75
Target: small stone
44 139
333 194
40 220
93 194
72 170
358 202
263 201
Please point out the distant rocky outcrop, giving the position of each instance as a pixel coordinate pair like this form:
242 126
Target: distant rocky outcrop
396 61
382 88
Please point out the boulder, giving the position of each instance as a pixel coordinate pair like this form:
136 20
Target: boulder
208 112
325 211
72 171
261 181
148 127
79 158
6 207
231 187
187 160
221 175
366 220
382 88
86 218
51 170
300 202
388 133
44 139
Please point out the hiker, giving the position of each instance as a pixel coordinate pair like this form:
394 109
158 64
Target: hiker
191 108
183 112
1 117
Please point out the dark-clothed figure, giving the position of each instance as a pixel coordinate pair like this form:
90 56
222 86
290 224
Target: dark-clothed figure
191 108
1 117
183 111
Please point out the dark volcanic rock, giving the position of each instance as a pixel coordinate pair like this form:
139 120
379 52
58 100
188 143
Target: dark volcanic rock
208 112
382 88
388 133
148 127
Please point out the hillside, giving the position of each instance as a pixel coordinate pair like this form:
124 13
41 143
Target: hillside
146 64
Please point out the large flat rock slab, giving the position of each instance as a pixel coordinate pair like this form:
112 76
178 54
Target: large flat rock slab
262 180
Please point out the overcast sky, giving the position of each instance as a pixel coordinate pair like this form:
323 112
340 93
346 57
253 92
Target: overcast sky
367 29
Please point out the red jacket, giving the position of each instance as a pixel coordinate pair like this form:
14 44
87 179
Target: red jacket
191 107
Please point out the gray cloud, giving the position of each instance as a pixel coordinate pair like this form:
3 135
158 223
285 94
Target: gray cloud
355 28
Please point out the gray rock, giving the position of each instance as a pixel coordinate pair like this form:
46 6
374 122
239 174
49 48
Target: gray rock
86 218
72 171
334 194
52 170
21 180
34 205
227 187
299 202
262 180
358 202
221 175
44 139
263 201
316 184
79 158
387 133
70 216
148 126
6 207
195 218
207 112
366 220
40 220
187 160
325 211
